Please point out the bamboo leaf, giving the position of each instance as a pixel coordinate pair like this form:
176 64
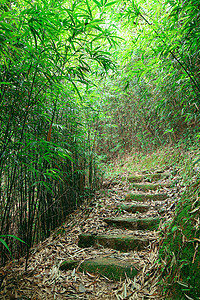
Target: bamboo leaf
111 3
98 3
5 245
12 236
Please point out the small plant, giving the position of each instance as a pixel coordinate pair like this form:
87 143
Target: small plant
120 209
5 244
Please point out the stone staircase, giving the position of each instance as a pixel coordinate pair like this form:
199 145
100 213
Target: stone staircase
145 190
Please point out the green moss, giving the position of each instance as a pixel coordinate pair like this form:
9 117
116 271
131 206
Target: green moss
136 178
69 265
148 177
86 240
135 208
110 267
144 197
148 186
133 223
180 248
121 242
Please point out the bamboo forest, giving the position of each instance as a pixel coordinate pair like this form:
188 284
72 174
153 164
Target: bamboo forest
99 149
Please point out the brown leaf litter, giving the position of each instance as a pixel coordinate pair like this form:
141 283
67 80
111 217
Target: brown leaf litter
44 280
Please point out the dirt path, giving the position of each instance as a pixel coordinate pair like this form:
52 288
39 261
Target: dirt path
45 280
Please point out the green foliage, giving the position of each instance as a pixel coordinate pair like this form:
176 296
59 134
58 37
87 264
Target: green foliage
49 52
85 77
4 242
154 97
179 253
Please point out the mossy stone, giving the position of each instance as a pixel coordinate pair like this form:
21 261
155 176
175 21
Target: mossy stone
145 197
123 243
120 242
69 264
148 186
86 240
110 267
148 177
136 178
133 223
135 208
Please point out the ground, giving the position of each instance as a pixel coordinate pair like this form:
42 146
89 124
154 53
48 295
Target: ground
44 280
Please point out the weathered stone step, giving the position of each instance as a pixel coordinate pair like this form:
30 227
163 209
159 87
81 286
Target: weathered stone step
148 177
152 171
120 242
145 197
148 186
133 223
134 207
112 268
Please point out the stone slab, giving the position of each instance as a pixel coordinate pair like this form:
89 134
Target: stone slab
148 177
148 186
69 264
145 197
133 223
119 242
134 207
112 268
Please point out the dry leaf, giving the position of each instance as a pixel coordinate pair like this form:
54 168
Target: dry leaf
81 288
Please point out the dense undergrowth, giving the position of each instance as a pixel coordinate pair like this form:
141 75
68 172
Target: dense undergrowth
179 256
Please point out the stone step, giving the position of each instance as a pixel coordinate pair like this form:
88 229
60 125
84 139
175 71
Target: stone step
152 171
148 177
134 207
112 268
148 186
133 223
145 197
120 242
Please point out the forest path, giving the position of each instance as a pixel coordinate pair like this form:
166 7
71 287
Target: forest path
116 225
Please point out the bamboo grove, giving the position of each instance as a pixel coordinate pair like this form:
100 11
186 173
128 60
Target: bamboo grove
153 98
47 160
82 81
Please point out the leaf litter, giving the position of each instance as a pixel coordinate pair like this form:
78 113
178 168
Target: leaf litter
43 278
